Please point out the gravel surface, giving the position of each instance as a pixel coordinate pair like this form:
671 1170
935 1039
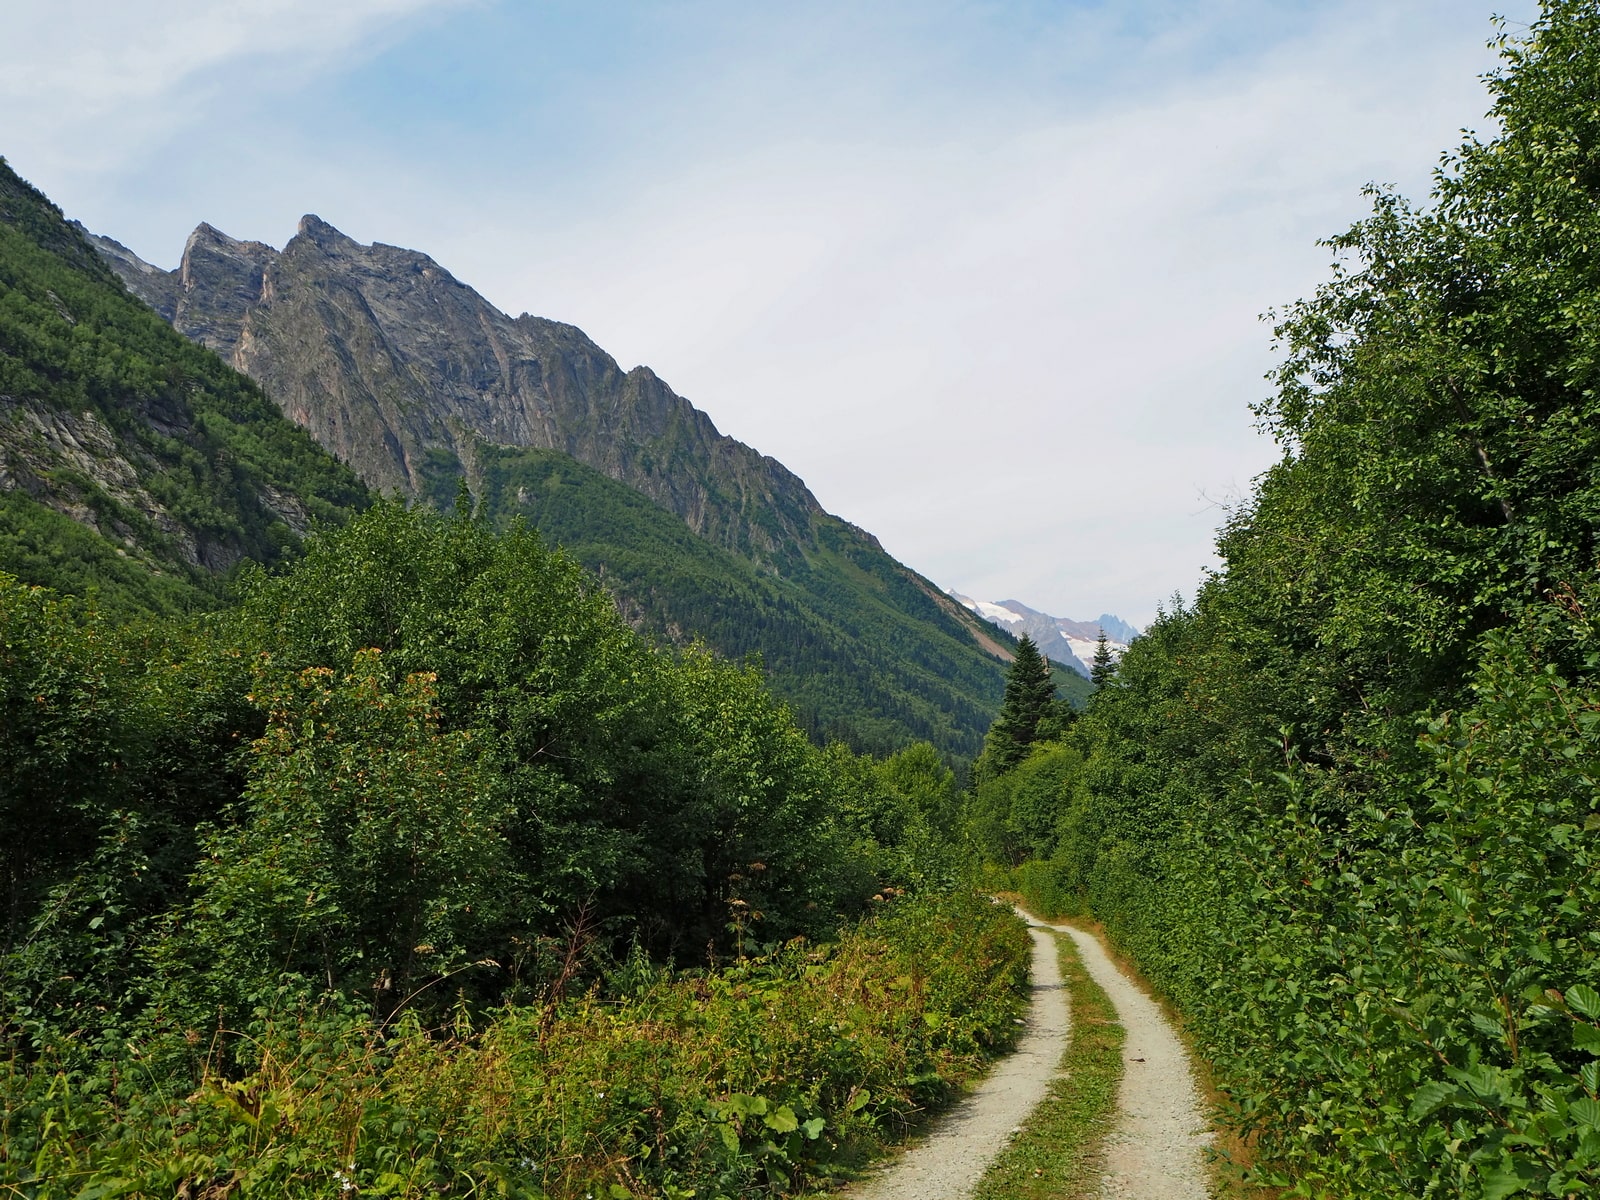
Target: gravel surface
958 1149
1157 1151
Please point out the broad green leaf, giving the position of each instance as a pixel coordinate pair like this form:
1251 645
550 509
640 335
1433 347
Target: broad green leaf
1507 1179
1584 999
782 1121
1586 1037
745 1106
1430 1097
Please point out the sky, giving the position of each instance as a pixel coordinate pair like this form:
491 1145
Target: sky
988 275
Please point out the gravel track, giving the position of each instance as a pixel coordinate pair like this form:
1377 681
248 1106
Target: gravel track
1157 1151
949 1162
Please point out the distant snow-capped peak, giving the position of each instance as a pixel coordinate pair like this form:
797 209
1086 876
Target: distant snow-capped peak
1061 639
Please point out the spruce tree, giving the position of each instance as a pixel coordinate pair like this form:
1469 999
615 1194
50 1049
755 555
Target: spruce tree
1103 667
1030 700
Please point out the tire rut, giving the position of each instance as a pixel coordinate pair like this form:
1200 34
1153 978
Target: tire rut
1157 1150
948 1163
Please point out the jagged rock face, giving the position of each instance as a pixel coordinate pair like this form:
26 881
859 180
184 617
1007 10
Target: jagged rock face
44 452
62 458
401 371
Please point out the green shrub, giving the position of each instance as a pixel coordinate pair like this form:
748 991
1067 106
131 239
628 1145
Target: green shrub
764 1078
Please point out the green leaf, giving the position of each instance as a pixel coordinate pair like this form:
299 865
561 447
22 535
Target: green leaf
1585 1112
1511 1176
730 1136
1586 1037
1488 1025
813 1128
782 1121
1583 999
1430 1097
745 1106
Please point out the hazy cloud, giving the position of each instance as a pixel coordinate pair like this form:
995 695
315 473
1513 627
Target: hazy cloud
987 276
91 82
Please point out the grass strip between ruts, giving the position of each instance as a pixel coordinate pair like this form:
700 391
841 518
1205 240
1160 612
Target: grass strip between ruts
1058 1152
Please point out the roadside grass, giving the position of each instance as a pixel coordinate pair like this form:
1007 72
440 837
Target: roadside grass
1058 1154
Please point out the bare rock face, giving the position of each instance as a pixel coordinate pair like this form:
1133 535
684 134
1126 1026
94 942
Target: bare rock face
401 370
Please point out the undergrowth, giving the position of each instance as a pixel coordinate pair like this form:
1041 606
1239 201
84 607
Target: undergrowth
771 1076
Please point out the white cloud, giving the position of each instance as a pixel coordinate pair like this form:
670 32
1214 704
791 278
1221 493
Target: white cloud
1055 319
90 83
938 288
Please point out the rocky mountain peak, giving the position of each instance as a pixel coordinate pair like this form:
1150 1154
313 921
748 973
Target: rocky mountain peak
1068 642
404 373
330 240
217 282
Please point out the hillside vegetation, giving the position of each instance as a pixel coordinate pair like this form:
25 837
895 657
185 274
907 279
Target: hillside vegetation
133 464
1342 810
863 655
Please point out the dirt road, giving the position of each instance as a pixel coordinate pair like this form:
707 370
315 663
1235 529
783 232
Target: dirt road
1157 1149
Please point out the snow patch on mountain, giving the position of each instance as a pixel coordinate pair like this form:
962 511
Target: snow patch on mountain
1060 639
990 611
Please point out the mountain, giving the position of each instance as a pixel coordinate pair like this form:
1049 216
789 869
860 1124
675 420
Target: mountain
419 383
404 372
1060 639
133 464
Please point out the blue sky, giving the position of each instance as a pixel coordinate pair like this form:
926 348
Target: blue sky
986 275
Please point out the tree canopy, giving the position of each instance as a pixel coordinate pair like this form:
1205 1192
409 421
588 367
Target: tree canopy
1027 712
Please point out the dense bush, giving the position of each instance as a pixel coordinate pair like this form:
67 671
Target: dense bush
308 884
1342 810
762 1078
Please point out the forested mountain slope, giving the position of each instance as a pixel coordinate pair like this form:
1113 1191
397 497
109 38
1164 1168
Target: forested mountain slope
131 461
418 382
835 640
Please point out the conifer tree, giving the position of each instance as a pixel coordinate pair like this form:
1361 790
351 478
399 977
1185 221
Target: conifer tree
1103 666
1030 700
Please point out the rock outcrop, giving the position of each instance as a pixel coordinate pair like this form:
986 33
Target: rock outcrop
402 370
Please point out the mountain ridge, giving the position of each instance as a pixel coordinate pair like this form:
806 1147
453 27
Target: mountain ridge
400 369
1061 639
417 382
